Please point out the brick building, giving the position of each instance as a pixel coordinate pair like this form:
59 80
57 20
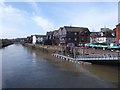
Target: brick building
69 35
118 34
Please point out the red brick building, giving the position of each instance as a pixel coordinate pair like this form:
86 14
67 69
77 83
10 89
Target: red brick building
118 33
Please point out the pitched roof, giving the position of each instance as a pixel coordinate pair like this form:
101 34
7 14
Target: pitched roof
75 29
55 31
118 24
49 33
106 30
40 35
94 34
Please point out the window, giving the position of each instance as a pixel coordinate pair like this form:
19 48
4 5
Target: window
75 39
85 32
82 40
69 38
75 33
64 32
50 37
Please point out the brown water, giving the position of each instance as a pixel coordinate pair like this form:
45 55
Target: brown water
26 68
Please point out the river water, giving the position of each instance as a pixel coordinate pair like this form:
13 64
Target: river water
23 67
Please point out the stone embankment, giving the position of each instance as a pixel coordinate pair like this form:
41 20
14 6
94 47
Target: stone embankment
50 53
5 42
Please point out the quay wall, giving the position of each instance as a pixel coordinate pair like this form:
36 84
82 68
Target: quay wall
41 48
44 52
49 53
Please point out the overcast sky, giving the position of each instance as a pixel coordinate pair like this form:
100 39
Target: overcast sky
21 19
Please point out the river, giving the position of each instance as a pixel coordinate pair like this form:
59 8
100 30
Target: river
23 67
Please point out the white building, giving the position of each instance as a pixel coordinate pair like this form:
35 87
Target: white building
34 39
106 40
106 35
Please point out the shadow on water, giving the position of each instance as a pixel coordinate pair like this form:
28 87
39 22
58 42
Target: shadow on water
27 67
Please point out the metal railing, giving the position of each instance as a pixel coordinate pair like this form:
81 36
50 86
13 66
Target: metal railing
113 56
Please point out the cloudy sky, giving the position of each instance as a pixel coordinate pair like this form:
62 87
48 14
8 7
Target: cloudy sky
21 19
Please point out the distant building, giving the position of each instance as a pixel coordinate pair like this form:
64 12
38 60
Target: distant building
75 36
33 39
55 40
29 39
106 40
20 40
36 39
106 32
106 35
40 39
93 36
118 34
49 38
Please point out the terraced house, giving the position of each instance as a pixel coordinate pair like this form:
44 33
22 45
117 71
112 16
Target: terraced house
49 38
75 36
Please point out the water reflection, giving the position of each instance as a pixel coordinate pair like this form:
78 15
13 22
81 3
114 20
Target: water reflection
33 57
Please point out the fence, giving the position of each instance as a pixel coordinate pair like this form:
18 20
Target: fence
89 56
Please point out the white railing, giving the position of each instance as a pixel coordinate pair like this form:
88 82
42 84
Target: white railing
91 57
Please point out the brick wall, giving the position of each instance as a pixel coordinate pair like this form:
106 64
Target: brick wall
117 34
